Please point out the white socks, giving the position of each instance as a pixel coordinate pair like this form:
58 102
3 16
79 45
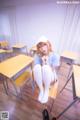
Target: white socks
43 96
40 95
44 75
54 76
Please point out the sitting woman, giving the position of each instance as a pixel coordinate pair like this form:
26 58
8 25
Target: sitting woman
45 62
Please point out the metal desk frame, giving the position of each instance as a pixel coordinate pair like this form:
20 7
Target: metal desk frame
75 97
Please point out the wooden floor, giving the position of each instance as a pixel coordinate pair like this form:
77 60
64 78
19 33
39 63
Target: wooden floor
28 108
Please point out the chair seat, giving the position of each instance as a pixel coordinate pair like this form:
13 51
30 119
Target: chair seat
22 78
53 90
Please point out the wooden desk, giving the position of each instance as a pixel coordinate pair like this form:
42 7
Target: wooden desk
2 51
76 88
13 67
76 75
33 48
70 56
19 47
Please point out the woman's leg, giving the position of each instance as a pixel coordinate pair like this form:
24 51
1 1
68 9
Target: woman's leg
47 75
37 71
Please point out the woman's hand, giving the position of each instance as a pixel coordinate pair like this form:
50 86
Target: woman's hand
44 60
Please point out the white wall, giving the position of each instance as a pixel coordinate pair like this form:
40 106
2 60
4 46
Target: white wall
60 23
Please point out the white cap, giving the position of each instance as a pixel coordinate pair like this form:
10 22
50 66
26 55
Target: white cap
42 39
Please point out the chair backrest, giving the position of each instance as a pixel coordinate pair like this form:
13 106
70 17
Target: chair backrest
53 90
4 44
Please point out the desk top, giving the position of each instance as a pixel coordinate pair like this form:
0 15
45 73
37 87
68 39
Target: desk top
12 66
19 45
9 51
76 72
2 51
70 55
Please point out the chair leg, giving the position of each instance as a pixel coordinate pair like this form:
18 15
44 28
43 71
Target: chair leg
5 87
14 87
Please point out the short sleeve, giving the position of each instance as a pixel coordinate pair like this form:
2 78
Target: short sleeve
37 60
55 60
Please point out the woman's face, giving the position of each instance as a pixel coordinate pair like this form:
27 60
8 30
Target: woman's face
44 49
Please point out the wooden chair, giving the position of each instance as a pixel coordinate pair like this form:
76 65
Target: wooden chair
33 50
4 44
20 48
53 91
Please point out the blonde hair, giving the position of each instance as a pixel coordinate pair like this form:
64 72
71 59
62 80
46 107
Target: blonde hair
41 44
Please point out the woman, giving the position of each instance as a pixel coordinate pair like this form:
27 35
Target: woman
45 62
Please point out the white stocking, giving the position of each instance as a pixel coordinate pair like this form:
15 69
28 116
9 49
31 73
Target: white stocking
55 75
37 71
47 78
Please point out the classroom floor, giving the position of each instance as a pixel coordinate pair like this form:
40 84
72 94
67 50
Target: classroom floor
28 108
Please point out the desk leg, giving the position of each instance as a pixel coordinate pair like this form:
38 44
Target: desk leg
33 81
7 83
66 108
4 81
70 72
55 118
65 84
14 87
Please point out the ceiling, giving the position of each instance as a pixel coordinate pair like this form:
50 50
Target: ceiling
7 3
